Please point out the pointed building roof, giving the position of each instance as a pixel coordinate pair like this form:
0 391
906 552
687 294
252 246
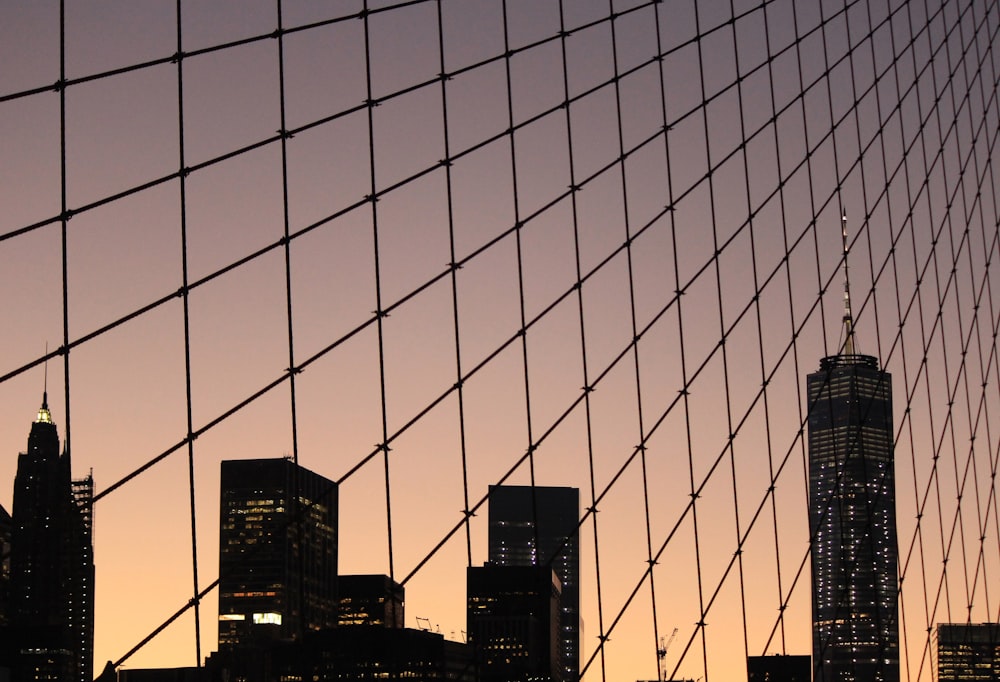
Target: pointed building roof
44 416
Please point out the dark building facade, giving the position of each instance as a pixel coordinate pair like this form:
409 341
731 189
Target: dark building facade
51 563
6 527
370 600
513 622
779 669
188 674
968 651
277 552
353 653
371 653
852 520
536 525
6 650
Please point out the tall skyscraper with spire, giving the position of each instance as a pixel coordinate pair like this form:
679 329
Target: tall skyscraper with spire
852 515
52 562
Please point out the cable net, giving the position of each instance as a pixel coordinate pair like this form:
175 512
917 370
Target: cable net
431 246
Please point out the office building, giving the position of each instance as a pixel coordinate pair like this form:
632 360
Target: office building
779 668
368 653
370 600
537 526
277 552
51 562
513 622
968 651
852 517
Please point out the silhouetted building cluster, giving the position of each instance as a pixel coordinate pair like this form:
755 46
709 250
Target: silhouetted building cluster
285 613
47 574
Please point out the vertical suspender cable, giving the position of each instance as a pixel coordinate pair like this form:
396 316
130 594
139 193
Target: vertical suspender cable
185 303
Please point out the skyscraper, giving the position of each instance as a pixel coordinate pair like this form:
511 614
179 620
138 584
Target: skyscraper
512 618
538 525
277 552
968 651
852 516
52 562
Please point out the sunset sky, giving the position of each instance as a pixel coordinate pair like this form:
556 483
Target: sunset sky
775 121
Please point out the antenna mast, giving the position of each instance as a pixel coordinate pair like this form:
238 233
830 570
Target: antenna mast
45 386
848 316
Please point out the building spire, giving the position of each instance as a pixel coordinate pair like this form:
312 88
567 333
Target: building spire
848 316
44 416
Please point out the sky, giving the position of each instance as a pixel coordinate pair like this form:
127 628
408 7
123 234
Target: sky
777 122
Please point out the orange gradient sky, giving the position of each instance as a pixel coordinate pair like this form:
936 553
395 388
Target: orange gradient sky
128 385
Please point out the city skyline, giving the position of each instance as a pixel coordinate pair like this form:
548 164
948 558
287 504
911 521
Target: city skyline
425 248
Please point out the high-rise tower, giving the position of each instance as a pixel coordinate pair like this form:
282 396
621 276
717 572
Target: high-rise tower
852 516
538 526
277 552
52 562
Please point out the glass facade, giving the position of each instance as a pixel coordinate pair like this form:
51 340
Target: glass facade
852 520
277 552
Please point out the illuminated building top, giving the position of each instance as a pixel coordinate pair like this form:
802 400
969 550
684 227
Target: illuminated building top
44 416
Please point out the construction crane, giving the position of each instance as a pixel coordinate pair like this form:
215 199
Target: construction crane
661 654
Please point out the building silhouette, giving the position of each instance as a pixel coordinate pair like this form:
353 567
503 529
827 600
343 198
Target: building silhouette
6 527
852 516
51 562
779 668
277 553
187 674
968 651
512 620
6 650
369 653
370 600
538 526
